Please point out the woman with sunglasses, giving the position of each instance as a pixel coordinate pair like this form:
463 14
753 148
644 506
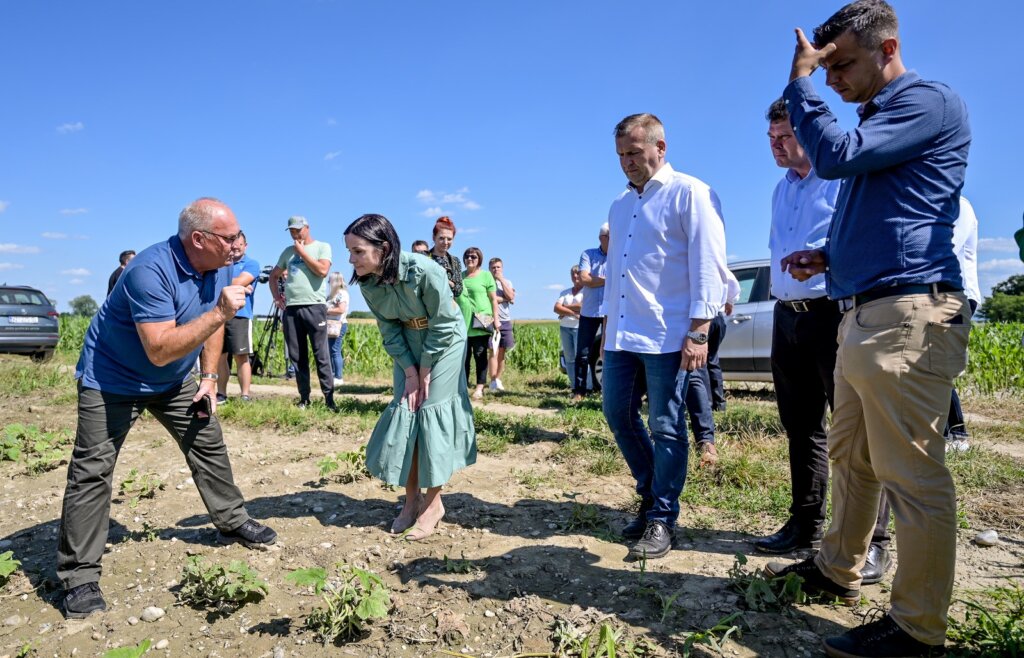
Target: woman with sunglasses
426 433
479 303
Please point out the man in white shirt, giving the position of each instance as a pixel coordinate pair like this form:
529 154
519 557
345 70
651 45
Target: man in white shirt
664 284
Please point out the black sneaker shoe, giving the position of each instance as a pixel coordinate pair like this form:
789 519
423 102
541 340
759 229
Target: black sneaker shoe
331 406
656 542
879 639
251 534
82 601
877 563
635 528
815 582
791 537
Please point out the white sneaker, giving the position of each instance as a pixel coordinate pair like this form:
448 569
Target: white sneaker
957 445
497 385
338 381
494 384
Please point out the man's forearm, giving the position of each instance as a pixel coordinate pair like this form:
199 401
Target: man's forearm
212 349
175 342
595 281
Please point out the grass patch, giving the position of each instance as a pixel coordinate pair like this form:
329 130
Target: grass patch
20 377
746 419
281 414
495 432
992 624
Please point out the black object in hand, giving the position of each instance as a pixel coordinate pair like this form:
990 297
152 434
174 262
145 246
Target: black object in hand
201 408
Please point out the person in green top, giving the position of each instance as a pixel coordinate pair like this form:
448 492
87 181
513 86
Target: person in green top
304 265
427 432
479 297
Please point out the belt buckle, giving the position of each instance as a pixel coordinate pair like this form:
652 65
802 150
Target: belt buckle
846 304
417 323
800 306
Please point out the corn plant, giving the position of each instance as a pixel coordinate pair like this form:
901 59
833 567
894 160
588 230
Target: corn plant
356 597
208 585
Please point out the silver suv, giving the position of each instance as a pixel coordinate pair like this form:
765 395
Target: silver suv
745 353
29 324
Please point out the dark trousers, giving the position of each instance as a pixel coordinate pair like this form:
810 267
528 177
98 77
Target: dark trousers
700 389
803 360
586 356
302 323
716 334
476 351
103 423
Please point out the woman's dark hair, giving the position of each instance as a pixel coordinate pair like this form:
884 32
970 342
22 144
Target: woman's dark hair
479 256
378 231
444 222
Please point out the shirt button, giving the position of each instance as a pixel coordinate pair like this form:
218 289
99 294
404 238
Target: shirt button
622 316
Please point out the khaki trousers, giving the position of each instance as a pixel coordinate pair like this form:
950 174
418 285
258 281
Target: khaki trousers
897 359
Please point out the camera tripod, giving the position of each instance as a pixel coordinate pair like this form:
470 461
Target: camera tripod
267 345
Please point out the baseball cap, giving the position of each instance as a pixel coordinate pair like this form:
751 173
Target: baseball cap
297 221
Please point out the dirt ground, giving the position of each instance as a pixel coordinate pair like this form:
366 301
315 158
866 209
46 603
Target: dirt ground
524 570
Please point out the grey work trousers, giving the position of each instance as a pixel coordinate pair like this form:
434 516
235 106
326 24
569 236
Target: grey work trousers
103 423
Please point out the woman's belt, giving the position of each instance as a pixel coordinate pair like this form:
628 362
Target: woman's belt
416 323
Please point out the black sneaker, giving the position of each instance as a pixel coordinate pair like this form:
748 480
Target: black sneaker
880 639
251 534
656 542
791 537
82 601
635 528
331 406
815 582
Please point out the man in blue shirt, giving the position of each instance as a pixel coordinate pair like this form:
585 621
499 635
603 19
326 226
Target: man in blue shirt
171 302
890 264
592 269
238 330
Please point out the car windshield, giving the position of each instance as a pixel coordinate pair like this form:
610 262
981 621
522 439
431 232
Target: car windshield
27 297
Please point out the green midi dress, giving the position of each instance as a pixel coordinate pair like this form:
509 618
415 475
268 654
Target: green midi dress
443 426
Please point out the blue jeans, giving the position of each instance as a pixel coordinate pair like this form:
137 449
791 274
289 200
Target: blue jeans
698 402
568 337
337 357
657 459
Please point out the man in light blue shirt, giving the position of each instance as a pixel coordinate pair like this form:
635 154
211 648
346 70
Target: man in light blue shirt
592 269
804 335
665 282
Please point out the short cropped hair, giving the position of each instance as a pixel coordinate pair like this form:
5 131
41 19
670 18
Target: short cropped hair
493 261
197 216
125 255
653 129
870 21
420 243
378 231
777 111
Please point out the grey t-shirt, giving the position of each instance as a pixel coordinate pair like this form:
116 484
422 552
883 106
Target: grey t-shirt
504 315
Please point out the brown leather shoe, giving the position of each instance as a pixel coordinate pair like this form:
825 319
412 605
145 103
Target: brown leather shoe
708 454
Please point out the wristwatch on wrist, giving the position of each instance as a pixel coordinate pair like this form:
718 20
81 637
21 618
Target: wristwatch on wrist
698 337
209 375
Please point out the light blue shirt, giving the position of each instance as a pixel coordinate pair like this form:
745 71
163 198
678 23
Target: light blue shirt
666 263
801 213
594 261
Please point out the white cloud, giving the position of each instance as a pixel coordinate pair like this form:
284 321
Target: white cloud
459 198
555 286
11 248
66 128
471 230
77 271
1010 265
331 121
472 205
10 266
55 236
73 211
4 205
426 196
333 154
76 281
433 211
997 244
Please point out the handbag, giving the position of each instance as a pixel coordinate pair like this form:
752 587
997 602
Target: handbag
483 321
333 328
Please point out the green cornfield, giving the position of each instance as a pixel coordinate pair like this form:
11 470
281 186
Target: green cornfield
996 357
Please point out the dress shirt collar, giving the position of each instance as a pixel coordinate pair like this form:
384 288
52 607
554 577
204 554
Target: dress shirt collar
888 91
662 176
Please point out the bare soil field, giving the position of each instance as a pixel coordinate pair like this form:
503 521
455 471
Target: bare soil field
512 560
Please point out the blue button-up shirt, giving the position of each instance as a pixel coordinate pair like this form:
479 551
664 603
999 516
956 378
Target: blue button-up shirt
594 261
902 170
801 213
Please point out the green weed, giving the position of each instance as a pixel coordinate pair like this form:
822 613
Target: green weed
208 585
129 652
715 636
347 466
41 451
602 641
459 566
761 592
993 624
357 597
8 565
588 519
137 486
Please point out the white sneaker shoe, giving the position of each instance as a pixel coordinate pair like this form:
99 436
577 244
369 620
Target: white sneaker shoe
338 381
957 445
497 385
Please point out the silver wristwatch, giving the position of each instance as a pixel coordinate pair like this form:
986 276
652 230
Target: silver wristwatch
697 337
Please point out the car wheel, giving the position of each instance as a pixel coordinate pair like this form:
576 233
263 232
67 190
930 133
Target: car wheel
42 357
599 371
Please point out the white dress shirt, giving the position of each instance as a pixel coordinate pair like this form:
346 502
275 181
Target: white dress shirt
965 246
802 211
666 263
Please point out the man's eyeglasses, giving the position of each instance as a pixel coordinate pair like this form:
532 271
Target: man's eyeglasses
230 240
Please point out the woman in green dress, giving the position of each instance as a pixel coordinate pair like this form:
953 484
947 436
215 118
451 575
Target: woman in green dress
479 296
426 433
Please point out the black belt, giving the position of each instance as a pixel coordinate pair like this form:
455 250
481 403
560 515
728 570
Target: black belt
804 305
893 291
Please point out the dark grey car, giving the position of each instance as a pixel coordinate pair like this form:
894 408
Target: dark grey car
29 324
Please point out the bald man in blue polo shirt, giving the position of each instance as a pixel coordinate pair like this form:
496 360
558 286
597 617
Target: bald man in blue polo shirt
170 303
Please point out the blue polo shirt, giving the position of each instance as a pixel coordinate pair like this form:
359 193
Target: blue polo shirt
902 170
594 261
249 265
158 285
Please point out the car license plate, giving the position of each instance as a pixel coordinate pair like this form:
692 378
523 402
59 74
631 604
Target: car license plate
24 319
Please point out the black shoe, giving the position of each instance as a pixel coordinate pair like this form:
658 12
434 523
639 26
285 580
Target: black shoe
82 601
879 639
331 406
656 542
792 537
877 563
635 528
251 534
815 582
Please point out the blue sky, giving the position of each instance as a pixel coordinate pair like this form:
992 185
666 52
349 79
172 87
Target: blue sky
115 115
